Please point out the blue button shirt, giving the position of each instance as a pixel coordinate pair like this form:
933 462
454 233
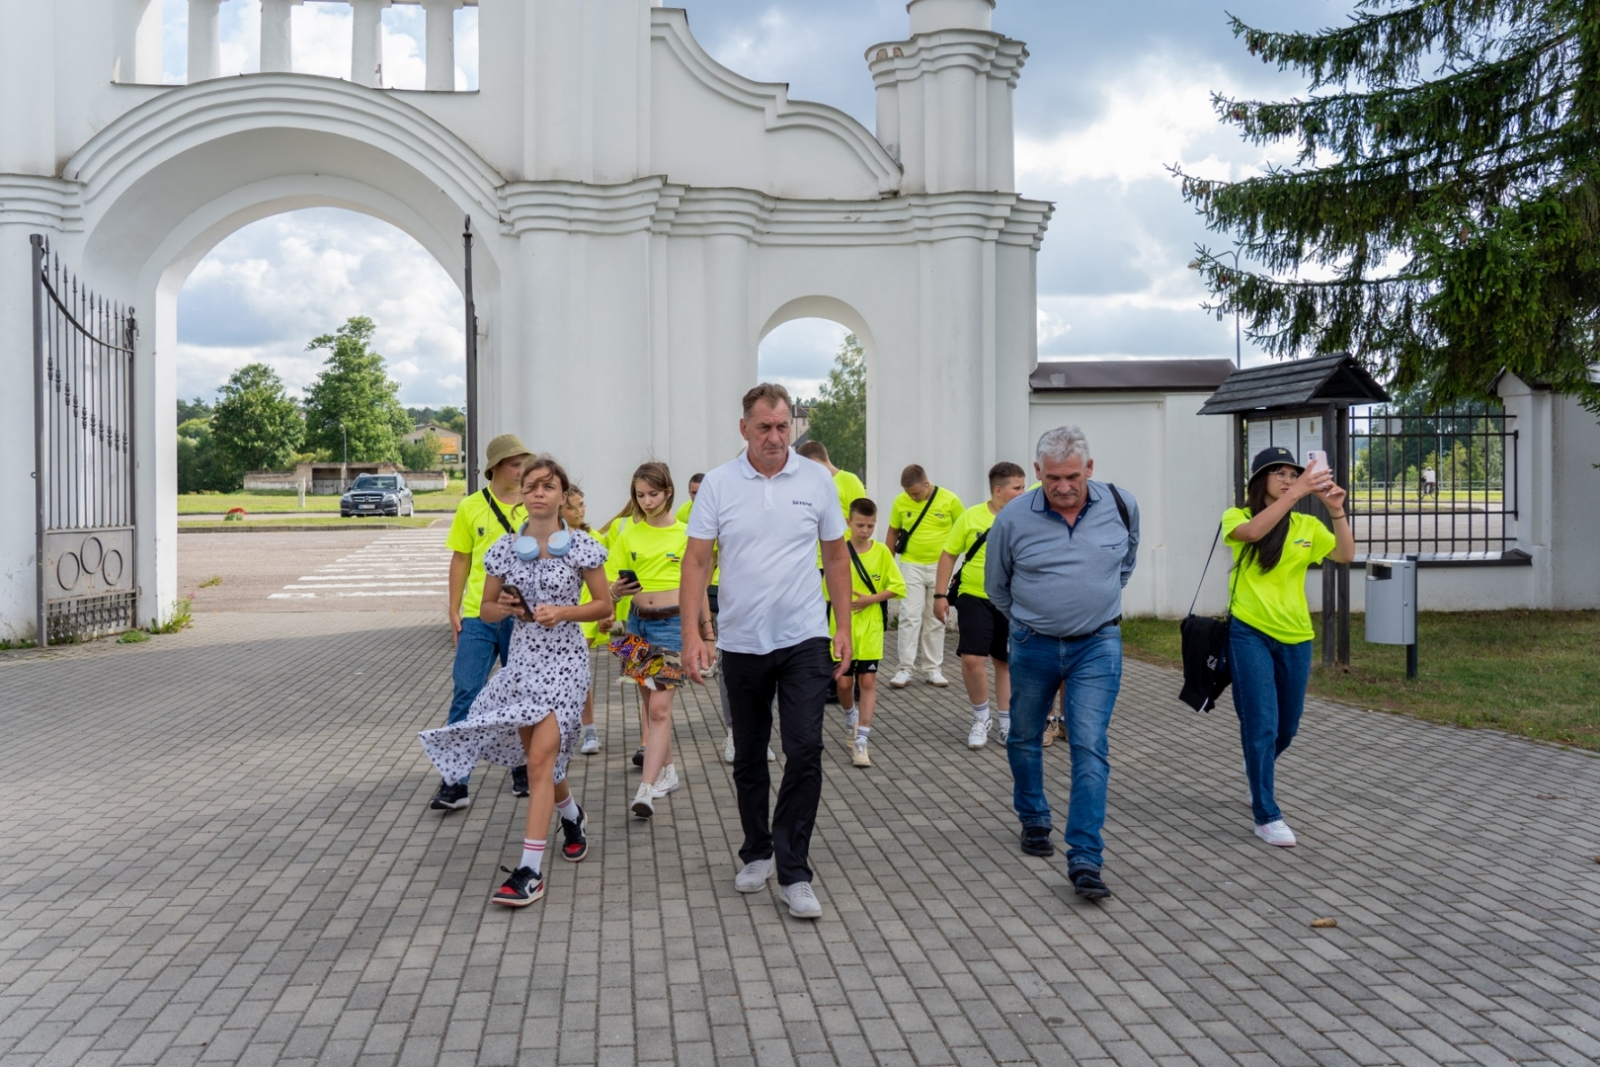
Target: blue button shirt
1058 579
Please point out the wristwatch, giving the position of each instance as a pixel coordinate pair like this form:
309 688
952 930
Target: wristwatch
941 596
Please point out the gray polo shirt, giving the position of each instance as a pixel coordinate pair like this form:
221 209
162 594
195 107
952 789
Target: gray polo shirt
1056 579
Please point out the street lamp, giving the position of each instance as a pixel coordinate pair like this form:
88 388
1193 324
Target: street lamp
1238 332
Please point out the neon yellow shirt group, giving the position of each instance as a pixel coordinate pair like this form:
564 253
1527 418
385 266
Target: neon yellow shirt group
866 625
654 553
850 489
931 536
1274 601
472 531
973 522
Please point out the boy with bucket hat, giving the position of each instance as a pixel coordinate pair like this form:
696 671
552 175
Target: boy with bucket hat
481 520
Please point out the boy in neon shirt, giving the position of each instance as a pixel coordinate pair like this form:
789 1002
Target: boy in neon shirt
874 581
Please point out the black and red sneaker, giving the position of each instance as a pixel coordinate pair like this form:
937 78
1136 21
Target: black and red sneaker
576 843
521 889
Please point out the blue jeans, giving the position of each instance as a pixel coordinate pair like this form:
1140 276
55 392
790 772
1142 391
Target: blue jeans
1091 667
668 633
476 650
1269 693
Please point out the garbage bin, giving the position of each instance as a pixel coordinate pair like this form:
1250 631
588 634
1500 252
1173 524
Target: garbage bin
1392 601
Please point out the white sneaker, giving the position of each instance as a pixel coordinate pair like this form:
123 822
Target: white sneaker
852 720
727 748
980 733
754 875
644 804
771 756
591 743
1277 833
1001 731
666 782
901 679
935 678
803 903
859 757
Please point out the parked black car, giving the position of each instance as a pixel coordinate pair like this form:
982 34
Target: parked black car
377 494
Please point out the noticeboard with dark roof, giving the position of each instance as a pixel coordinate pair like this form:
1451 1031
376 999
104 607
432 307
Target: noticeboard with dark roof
1339 380
1129 375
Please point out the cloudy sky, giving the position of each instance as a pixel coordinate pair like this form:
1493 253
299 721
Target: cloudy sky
1112 94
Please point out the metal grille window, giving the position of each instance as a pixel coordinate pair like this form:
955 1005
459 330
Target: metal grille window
83 425
1442 486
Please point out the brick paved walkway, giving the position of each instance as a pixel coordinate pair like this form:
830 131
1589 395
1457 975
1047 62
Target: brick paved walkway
217 850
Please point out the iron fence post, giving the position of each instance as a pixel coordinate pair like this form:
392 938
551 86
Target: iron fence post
40 437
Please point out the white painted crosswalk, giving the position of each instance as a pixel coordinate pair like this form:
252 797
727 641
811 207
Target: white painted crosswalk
405 563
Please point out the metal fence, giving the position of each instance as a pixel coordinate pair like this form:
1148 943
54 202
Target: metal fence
83 456
1440 486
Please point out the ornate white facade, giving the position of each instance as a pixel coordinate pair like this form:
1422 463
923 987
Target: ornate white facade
644 217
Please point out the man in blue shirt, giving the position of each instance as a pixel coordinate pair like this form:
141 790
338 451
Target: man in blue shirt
1058 559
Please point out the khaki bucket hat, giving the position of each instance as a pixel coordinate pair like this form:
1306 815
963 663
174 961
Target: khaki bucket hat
504 447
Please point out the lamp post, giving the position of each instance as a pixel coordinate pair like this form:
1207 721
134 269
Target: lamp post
1238 332
345 430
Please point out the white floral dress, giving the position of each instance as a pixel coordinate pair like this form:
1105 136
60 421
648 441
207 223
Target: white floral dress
547 671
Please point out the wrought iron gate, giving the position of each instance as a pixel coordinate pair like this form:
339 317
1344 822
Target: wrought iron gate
83 456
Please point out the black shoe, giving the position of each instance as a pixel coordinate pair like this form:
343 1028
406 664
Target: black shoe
1087 884
452 796
1036 841
521 889
519 781
638 757
576 845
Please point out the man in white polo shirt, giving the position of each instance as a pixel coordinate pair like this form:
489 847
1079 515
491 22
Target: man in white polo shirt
766 511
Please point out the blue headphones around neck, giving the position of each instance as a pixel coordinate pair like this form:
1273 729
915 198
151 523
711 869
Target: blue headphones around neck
560 543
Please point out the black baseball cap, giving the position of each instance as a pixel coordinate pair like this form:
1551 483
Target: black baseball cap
1276 456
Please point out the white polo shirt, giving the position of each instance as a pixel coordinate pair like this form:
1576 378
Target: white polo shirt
767 531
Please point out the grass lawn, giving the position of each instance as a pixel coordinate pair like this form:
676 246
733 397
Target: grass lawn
289 500
331 521
1533 673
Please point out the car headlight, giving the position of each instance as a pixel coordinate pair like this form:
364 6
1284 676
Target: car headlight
390 498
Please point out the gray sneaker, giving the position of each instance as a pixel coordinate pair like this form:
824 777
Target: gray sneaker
803 903
754 876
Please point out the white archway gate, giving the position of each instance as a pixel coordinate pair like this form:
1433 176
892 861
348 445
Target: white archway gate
643 217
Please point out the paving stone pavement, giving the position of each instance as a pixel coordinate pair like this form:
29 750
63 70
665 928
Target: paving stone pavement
218 850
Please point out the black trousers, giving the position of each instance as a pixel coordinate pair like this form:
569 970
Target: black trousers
798 677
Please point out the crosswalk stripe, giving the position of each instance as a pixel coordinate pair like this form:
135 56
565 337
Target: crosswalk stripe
409 564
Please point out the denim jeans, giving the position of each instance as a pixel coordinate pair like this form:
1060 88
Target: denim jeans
1269 693
479 646
1091 667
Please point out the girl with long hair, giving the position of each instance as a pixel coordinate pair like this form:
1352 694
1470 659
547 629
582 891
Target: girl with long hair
1269 637
649 563
529 712
575 513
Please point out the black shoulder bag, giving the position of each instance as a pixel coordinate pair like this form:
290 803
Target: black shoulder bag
904 540
1204 641
866 580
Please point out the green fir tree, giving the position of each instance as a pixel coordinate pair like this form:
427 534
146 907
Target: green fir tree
354 395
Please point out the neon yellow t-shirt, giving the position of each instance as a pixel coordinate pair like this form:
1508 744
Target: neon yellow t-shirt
472 531
974 521
850 489
1274 601
684 509
929 540
866 625
654 553
612 534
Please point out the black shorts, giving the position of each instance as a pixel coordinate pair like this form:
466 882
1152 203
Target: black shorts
984 631
858 667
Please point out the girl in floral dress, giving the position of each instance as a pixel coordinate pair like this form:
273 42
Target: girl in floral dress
531 709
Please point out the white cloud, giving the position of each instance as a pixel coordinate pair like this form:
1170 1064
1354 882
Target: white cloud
799 354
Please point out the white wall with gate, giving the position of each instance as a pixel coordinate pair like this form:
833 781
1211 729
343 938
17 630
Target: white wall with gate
643 217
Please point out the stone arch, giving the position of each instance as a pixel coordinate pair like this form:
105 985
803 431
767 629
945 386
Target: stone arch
166 182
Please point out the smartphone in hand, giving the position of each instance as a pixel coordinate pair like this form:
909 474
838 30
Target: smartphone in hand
1315 456
521 600
628 576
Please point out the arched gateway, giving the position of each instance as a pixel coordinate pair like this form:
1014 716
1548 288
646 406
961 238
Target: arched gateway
644 216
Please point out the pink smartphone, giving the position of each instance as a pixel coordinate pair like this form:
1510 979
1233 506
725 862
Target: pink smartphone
1314 455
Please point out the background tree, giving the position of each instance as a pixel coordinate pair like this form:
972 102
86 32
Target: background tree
1441 220
354 391
255 425
423 455
839 415
198 469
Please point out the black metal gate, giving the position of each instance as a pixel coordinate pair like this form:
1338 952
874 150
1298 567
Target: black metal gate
83 456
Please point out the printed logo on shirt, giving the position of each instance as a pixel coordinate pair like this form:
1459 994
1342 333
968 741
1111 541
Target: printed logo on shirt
1301 542
673 557
802 503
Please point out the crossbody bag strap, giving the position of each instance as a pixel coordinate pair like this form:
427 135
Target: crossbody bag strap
495 507
1122 506
923 513
866 580
966 557
1203 570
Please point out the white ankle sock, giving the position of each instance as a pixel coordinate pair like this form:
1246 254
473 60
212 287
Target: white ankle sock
863 732
1004 715
568 809
980 712
532 854
589 730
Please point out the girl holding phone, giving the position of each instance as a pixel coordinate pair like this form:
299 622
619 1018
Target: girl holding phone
649 561
530 711
1269 637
